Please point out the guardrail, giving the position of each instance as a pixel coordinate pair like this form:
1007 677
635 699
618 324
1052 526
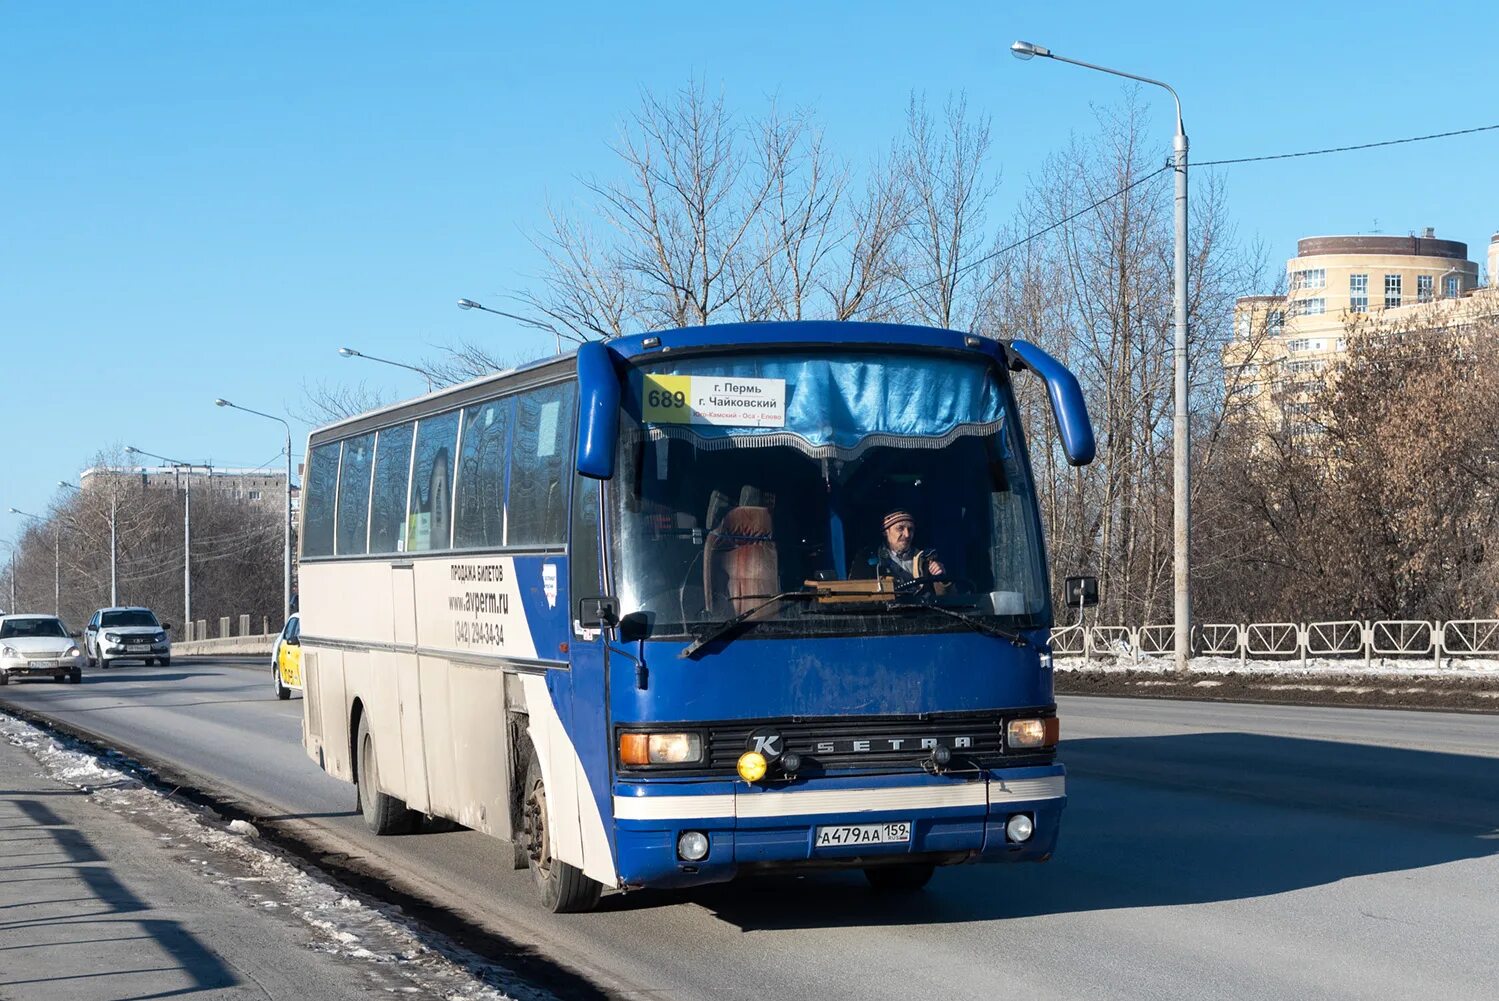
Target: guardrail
1404 638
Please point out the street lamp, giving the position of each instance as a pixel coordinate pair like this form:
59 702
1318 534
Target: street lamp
114 499
187 531
351 353
556 334
1181 435
286 555
56 560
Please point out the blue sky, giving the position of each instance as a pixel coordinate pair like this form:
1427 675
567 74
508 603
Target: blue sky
207 200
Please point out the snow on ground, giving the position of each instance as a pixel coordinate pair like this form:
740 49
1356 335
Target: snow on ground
232 855
1331 667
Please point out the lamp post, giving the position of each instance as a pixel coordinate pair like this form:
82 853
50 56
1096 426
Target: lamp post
187 530
556 334
286 554
114 500
351 353
1181 433
56 559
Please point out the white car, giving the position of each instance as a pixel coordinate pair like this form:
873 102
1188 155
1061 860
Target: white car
38 646
126 634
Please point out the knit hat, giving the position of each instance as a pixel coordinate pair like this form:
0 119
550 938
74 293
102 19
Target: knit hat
897 516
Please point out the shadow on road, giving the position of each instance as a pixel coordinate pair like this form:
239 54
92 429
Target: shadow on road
1185 819
144 957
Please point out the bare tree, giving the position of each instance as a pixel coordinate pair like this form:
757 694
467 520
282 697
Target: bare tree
946 173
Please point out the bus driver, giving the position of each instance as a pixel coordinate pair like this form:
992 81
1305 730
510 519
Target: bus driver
898 557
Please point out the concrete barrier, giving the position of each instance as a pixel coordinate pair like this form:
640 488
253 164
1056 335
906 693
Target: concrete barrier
235 645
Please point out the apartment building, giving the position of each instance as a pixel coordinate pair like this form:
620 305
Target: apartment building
260 487
1285 345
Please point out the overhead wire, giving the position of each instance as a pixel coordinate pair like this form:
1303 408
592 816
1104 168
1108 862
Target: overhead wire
964 269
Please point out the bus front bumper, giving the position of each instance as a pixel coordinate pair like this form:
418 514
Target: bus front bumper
789 827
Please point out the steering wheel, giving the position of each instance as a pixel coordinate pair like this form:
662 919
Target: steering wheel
925 583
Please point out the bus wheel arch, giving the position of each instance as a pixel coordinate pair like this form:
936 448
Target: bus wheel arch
521 753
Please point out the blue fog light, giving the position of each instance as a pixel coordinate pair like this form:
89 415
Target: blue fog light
692 846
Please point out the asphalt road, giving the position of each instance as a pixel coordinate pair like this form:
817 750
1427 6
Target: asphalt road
1208 851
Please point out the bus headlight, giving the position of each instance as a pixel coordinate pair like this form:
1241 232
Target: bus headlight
660 748
692 846
1025 733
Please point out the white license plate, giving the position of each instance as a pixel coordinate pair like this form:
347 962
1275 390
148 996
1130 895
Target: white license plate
42 663
895 832
138 646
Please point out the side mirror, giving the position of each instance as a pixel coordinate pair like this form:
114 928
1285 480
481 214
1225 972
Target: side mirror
166 625
1081 592
293 641
598 410
75 634
1067 404
598 613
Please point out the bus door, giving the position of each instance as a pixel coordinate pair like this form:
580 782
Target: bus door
581 835
408 695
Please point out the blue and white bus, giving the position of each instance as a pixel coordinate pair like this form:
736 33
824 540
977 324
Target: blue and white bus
696 603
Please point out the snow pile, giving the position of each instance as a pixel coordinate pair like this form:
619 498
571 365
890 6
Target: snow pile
408 959
1334 668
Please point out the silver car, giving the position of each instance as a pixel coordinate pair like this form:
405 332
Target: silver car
127 634
38 646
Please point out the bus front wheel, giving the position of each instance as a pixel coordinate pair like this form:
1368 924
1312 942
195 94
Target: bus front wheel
384 814
563 887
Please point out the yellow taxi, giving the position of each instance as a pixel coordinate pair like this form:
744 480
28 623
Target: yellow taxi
286 659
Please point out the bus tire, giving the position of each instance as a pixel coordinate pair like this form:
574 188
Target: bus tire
562 887
908 877
383 813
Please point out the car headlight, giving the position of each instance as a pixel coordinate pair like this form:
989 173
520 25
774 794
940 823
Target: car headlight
160 638
112 637
660 748
6 651
1024 733
72 652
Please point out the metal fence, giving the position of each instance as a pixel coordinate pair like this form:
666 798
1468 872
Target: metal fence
1345 638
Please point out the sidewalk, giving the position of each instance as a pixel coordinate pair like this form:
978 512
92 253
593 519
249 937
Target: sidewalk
93 906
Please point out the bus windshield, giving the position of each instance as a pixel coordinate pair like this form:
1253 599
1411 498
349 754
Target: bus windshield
872 477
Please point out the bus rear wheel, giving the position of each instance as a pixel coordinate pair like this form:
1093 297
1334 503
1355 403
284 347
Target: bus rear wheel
383 814
904 878
563 888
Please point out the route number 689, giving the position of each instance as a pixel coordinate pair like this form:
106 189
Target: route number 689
665 398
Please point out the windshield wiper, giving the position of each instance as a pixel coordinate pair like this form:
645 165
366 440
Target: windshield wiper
723 629
973 620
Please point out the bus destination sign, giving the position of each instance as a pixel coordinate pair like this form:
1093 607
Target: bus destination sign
713 399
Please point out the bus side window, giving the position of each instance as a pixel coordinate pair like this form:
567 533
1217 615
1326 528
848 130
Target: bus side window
354 495
480 518
585 572
317 518
538 466
428 525
388 506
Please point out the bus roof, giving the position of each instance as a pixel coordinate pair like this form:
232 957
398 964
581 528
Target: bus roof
804 333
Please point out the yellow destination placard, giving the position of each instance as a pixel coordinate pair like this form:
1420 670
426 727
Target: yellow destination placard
666 399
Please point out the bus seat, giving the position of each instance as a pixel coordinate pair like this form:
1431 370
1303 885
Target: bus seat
740 560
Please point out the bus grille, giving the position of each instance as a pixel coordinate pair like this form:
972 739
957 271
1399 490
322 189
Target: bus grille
844 742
